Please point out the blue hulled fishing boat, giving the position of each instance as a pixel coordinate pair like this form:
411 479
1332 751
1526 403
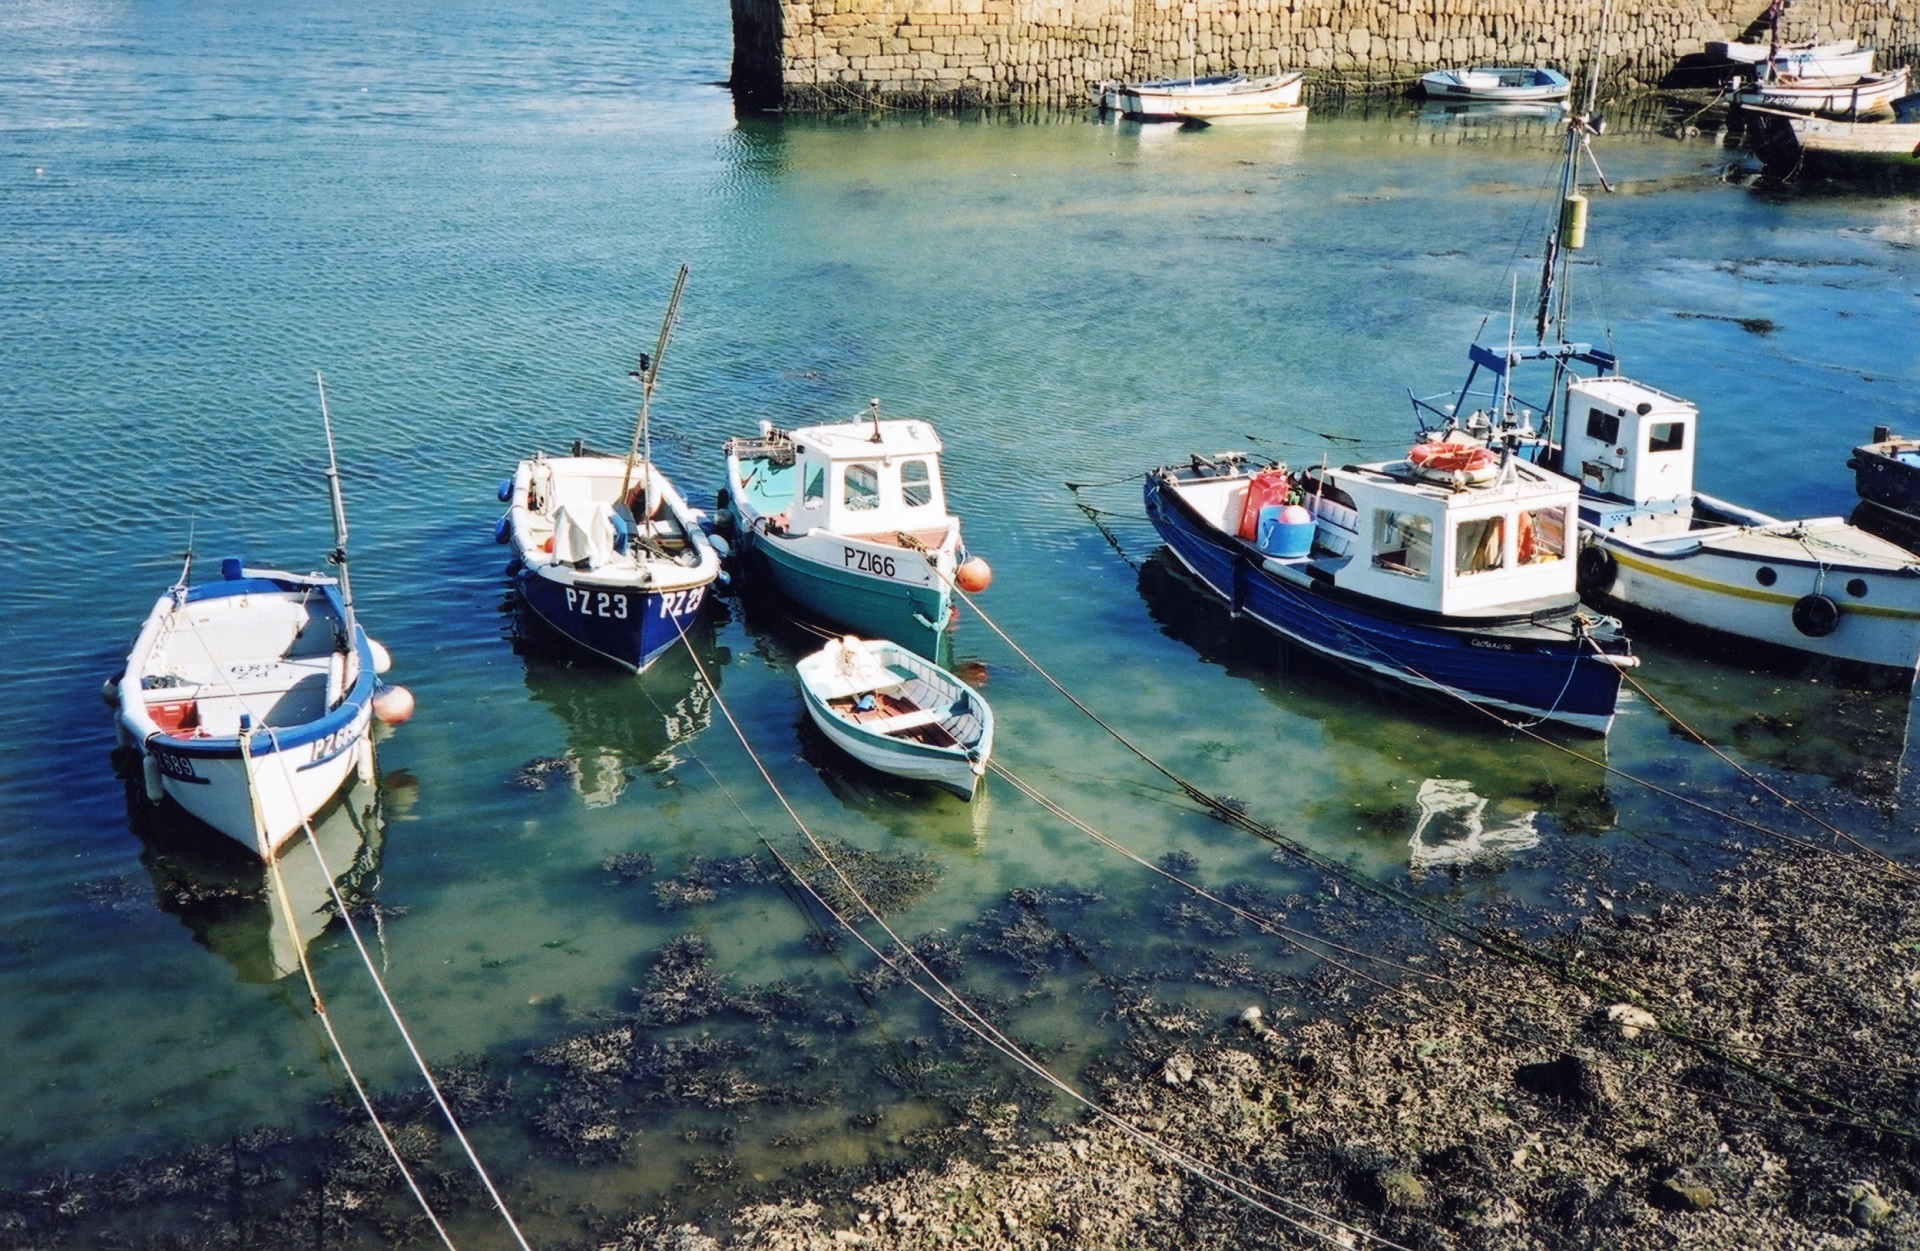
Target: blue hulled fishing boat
606 553
1448 572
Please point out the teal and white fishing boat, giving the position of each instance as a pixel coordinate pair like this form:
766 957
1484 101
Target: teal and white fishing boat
898 712
850 522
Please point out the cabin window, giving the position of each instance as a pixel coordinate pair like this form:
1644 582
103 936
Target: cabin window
916 483
1402 543
1542 537
1480 545
1667 436
816 492
862 492
1604 427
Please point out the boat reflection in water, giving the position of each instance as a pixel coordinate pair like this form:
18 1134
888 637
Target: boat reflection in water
1453 830
615 723
225 895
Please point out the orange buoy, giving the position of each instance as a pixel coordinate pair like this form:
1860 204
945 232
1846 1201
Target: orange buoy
973 575
392 704
1444 458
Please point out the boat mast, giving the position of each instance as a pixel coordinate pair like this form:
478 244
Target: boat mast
1570 231
338 557
648 373
1570 227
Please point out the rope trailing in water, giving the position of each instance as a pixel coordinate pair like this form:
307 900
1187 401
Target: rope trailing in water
957 1008
393 1011
313 987
1507 947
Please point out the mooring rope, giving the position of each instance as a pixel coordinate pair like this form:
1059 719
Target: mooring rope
393 1011
314 999
1512 949
952 1004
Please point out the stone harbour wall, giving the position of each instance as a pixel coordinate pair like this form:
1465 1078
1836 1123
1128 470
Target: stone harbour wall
822 55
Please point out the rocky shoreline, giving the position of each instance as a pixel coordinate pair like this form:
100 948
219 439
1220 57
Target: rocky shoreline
1738 1071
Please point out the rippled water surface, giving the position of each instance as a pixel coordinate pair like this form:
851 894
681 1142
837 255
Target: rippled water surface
469 216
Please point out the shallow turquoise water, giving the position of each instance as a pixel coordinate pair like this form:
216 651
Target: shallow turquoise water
469 219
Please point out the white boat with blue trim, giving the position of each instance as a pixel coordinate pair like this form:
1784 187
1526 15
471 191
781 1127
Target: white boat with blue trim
1503 84
898 712
248 699
850 522
606 553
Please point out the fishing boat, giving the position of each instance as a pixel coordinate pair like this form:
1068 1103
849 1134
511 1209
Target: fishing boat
247 700
1786 138
1842 61
1745 52
1509 84
1650 542
1856 97
607 555
898 712
1886 472
1203 98
849 521
1448 571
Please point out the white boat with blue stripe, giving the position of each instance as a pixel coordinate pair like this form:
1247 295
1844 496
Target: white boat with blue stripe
898 712
248 700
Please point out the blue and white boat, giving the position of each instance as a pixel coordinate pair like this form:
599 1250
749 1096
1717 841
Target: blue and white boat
1449 572
606 553
850 522
898 712
1502 84
248 699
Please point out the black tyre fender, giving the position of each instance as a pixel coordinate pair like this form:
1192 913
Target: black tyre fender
1594 570
1815 616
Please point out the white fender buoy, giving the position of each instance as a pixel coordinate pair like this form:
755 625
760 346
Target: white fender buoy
392 704
150 774
365 760
382 658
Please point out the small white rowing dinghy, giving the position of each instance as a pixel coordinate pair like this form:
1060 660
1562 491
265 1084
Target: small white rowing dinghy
898 712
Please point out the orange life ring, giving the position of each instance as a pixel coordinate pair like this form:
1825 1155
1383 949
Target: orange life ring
1444 457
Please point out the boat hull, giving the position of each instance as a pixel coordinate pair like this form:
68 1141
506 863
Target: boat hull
1537 673
956 766
619 599
1887 473
1508 84
1227 95
615 620
260 785
1747 584
1872 93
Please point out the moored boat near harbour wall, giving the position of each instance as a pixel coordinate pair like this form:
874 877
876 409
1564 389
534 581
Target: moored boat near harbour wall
828 55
